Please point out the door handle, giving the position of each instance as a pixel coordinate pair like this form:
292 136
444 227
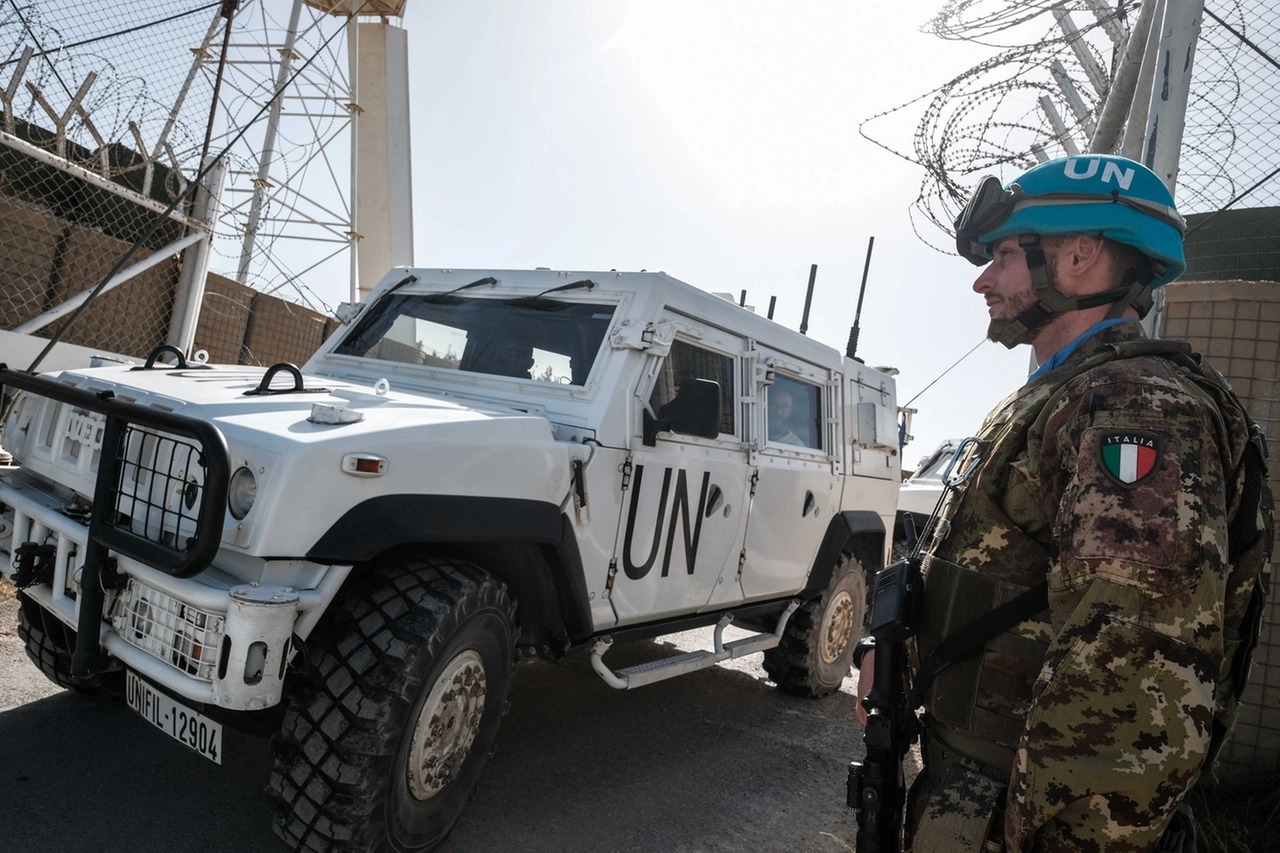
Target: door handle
715 499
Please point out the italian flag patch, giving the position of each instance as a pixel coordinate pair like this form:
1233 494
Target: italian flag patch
1129 456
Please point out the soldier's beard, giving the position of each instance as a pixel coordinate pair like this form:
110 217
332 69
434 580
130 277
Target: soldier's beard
1013 306
999 329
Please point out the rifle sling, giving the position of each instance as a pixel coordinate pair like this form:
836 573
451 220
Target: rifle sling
972 637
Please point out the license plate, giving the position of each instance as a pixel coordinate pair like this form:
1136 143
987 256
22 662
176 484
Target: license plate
187 727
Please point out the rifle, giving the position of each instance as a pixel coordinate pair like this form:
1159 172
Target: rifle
876 786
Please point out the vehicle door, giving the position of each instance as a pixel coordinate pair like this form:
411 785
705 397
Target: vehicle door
797 483
684 506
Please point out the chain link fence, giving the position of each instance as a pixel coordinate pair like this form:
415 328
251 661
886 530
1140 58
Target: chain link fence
1230 178
1233 118
62 231
106 121
91 156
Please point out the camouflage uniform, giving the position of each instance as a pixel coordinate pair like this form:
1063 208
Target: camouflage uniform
1104 704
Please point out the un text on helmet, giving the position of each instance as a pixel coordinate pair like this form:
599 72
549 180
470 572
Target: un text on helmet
1123 177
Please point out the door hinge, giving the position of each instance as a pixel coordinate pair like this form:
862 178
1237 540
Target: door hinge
626 473
755 478
613 573
742 561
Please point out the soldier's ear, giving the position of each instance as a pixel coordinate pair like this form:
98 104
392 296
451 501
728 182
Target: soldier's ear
1085 248
1079 258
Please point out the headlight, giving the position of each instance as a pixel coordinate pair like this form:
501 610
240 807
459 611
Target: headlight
241 493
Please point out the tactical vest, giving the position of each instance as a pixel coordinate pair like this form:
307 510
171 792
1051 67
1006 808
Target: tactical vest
992 538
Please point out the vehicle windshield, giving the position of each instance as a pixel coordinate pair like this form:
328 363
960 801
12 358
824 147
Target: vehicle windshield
932 466
546 340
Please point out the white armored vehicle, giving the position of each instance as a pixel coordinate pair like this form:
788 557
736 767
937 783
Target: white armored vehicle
919 496
477 468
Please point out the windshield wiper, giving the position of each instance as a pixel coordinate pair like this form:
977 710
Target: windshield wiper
436 297
548 304
409 279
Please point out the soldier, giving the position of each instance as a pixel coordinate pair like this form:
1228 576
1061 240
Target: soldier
781 406
506 356
1124 472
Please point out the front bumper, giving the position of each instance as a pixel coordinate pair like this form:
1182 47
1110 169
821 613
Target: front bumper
211 638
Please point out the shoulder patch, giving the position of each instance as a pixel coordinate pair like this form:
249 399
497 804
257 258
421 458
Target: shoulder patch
1129 456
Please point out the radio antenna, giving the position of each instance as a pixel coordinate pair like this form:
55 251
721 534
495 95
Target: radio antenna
808 298
851 350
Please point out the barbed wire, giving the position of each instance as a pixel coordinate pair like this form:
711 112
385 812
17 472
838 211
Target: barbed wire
988 119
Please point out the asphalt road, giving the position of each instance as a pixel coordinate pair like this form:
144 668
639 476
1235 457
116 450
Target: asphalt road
714 761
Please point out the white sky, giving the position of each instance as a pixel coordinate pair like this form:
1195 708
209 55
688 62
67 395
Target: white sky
716 141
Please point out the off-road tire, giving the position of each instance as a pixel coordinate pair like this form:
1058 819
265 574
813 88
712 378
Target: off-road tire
816 651
341 777
50 643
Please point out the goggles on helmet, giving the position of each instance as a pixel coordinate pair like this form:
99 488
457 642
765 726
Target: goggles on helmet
991 204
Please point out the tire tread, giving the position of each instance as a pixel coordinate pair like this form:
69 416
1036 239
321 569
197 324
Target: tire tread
49 644
338 736
793 663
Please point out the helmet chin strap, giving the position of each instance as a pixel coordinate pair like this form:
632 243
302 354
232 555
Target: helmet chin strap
1133 292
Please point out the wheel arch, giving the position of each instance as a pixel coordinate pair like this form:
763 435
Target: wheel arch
528 545
859 532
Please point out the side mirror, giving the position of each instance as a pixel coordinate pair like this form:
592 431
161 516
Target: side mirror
695 410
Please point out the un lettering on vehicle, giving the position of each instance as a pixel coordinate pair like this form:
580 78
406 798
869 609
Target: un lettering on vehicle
674 505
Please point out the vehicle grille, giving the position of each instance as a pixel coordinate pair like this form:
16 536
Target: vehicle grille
169 630
161 486
157 496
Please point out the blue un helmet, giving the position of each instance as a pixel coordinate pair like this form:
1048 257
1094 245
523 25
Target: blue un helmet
1096 194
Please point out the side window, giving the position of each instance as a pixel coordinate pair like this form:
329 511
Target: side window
687 361
794 413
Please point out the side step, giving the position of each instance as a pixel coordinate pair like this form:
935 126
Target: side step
660 670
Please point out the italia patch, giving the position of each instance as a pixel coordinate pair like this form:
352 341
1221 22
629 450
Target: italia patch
1129 456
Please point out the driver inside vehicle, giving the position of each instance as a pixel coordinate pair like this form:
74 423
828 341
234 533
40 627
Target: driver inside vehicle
781 407
506 357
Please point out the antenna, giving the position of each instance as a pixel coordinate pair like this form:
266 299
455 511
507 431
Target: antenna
742 300
851 350
808 298
773 300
